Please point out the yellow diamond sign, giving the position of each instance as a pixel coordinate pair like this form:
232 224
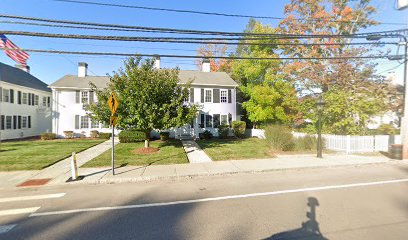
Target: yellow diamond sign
113 103
113 120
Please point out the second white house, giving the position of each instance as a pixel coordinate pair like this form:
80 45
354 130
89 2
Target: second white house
214 92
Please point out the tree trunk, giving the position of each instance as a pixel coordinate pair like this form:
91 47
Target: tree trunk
147 138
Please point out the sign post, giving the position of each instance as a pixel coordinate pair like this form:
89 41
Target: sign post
113 106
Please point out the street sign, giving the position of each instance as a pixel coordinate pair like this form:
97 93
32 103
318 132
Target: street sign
113 103
112 121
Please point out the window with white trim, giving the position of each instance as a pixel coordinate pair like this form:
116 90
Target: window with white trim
8 122
6 95
208 96
36 100
24 121
84 122
44 101
85 97
223 96
224 119
25 98
94 124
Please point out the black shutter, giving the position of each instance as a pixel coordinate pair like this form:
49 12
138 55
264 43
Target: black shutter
29 99
11 96
202 95
216 120
19 97
1 94
49 101
216 95
29 121
91 97
19 122
192 95
2 122
14 122
202 120
77 95
229 96
229 119
32 99
76 121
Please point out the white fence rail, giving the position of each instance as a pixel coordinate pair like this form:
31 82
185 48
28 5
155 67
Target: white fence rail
346 143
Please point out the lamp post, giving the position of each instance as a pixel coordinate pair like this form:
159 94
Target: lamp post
404 119
320 103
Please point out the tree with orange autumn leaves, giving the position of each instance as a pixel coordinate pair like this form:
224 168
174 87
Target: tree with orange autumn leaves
212 50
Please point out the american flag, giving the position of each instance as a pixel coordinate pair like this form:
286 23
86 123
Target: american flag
13 51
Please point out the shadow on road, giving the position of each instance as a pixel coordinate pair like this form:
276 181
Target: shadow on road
310 229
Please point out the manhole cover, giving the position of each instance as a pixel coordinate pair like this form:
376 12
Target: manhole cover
34 182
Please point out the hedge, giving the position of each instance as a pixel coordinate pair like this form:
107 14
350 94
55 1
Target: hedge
239 128
129 136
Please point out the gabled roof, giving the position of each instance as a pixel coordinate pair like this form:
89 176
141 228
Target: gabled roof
20 77
197 78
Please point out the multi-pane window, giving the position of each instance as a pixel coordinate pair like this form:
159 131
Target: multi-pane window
25 98
24 121
84 97
223 96
84 122
36 100
208 95
44 101
224 119
208 121
6 95
8 122
94 124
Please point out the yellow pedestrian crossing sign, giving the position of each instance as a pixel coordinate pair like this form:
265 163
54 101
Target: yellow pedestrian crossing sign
113 103
113 120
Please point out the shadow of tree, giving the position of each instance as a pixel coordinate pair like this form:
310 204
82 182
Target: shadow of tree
309 230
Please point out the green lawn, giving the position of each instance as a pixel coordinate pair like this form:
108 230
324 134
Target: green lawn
171 152
38 154
234 149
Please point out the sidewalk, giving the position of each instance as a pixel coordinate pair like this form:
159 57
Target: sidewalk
180 171
194 153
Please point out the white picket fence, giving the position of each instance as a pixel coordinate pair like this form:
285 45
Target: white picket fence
346 143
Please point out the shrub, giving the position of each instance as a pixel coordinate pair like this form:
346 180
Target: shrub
129 136
307 142
94 134
223 131
48 136
164 136
279 138
206 135
386 129
239 128
105 135
69 134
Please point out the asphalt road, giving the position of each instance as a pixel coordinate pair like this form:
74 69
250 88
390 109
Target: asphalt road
365 202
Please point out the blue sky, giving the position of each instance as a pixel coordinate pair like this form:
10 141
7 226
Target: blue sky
49 67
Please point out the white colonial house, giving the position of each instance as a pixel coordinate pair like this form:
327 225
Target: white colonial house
25 104
214 92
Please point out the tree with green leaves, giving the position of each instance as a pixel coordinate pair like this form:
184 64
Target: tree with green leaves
267 97
149 98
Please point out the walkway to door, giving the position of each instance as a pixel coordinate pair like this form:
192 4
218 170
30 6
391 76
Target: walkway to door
194 153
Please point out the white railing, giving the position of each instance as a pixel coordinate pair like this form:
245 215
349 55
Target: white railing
346 143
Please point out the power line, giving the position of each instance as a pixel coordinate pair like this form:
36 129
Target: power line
179 39
208 13
188 31
201 57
